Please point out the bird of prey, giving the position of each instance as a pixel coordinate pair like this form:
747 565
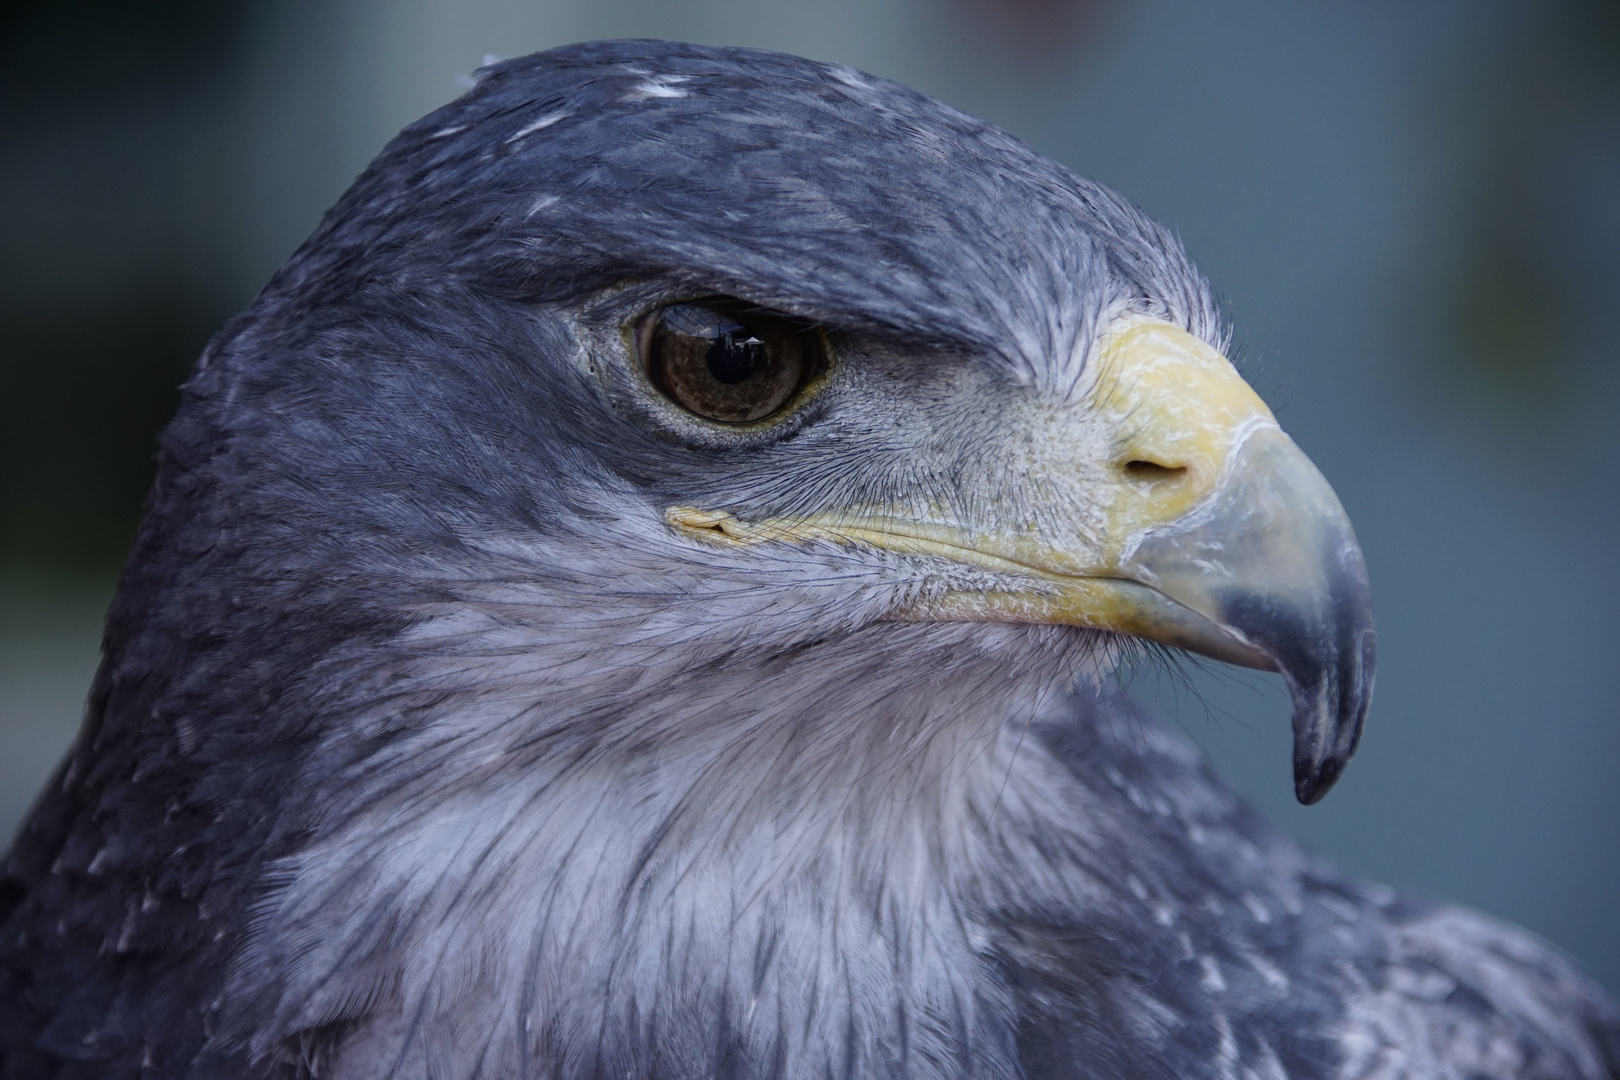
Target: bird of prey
637 595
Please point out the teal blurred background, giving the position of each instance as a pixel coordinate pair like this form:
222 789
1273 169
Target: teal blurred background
1411 208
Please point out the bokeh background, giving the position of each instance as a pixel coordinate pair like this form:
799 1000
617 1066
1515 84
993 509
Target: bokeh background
1411 207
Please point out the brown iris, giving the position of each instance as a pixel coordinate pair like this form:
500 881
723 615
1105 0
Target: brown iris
726 362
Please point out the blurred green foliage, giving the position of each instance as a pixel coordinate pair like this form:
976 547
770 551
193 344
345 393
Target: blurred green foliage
101 310
1535 236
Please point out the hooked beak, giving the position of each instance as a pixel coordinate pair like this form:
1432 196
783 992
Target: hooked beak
1217 535
1270 565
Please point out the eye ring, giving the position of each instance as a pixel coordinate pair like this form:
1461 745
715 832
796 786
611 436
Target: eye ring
729 362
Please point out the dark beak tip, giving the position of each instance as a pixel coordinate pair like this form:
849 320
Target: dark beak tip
1312 780
1325 739
1332 688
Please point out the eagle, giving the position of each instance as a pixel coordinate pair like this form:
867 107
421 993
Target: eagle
641 594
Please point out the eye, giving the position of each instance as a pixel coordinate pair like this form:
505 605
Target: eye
725 362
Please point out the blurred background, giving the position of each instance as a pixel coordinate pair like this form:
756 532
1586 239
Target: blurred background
1411 208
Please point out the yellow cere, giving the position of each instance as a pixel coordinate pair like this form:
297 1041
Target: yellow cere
1177 404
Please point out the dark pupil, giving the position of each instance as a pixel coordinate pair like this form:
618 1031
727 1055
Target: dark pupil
735 354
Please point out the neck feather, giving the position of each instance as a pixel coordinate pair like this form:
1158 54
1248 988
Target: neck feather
591 852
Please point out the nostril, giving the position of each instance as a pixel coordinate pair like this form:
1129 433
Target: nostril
1152 470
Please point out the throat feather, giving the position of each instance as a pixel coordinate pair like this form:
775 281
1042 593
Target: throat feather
808 836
